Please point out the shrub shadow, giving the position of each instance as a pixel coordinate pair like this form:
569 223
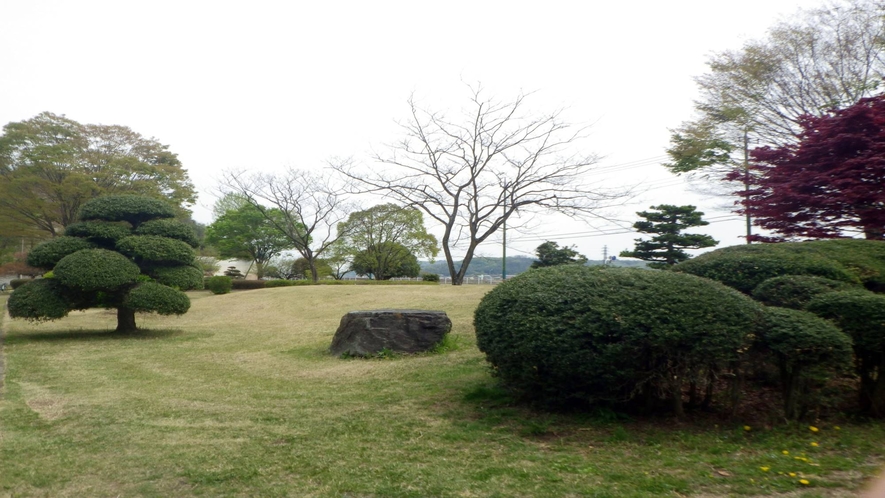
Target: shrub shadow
96 335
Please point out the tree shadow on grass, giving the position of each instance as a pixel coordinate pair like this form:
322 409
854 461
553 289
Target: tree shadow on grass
83 335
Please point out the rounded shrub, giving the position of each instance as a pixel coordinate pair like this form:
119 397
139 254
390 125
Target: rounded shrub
745 267
220 284
132 208
863 258
181 277
49 253
430 277
155 249
104 233
151 297
43 299
795 291
807 350
861 315
96 270
171 228
576 333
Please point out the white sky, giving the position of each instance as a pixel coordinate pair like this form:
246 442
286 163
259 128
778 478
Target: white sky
265 85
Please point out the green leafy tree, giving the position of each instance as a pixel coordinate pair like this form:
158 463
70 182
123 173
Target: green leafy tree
50 165
385 261
301 269
550 254
246 232
668 245
126 252
378 225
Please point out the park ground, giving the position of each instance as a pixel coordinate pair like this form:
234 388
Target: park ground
239 397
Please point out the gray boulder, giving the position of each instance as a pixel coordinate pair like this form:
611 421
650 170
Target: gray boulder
364 333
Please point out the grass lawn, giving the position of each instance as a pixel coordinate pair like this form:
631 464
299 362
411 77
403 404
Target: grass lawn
239 398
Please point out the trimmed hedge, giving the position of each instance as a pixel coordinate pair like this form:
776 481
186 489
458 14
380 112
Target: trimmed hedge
430 277
590 334
302 282
104 233
241 284
795 291
96 270
170 228
18 282
132 208
863 258
151 297
181 277
219 284
807 349
155 249
49 253
39 300
861 315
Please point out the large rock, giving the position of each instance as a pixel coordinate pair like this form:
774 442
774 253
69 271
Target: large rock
363 333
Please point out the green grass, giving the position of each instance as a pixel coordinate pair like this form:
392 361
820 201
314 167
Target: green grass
239 398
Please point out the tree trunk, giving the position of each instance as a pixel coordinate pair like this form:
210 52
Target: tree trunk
125 320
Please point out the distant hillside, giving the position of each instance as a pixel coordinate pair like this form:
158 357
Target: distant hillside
515 265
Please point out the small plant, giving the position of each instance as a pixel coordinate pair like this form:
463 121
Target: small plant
220 284
430 277
233 272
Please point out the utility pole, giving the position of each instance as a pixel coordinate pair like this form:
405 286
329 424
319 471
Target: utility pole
504 240
747 182
604 255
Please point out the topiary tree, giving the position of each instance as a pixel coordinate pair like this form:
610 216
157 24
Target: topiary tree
861 315
550 254
125 252
805 348
795 291
668 244
589 334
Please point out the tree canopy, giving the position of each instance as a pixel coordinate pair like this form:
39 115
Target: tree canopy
668 245
246 232
105 261
386 260
831 183
550 254
51 165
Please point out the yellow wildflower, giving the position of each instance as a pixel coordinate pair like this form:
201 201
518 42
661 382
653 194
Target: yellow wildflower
785 452
764 469
814 444
804 481
747 428
792 474
837 428
813 428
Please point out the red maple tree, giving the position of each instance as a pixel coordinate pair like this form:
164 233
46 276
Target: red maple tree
829 184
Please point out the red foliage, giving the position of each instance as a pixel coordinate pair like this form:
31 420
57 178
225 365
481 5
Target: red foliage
831 183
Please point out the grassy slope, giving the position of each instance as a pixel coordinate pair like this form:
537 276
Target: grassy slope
239 398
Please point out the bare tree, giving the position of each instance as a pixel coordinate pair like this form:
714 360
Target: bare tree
311 209
472 174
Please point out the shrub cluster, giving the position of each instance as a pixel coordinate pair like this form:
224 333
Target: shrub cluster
220 284
151 297
132 208
92 270
430 277
49 253
170 228
18 282
795 291
181 277
42 299
242 284
592 334
154 248
102 233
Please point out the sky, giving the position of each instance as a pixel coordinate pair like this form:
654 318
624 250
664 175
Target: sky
266 85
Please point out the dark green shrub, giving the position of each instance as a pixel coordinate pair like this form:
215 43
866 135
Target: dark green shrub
132 208
745 267
42 299
575 333
147 249
151 297
430 277
794 291
170 228
861 315
808 350
240 284
279 283
103 233
863 258
47 254
96 269
181 277
219 284
234 272
18 282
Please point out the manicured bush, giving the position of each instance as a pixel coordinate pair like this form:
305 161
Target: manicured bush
96 269
861 315
863 258
794 291
575 333
47 254
808 350
181 277
219 284
280 283
147 249
430 277
240 284
46 299
170 228
18 282
151 297
102 233
132 208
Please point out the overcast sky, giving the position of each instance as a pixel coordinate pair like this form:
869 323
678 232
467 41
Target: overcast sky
265 85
